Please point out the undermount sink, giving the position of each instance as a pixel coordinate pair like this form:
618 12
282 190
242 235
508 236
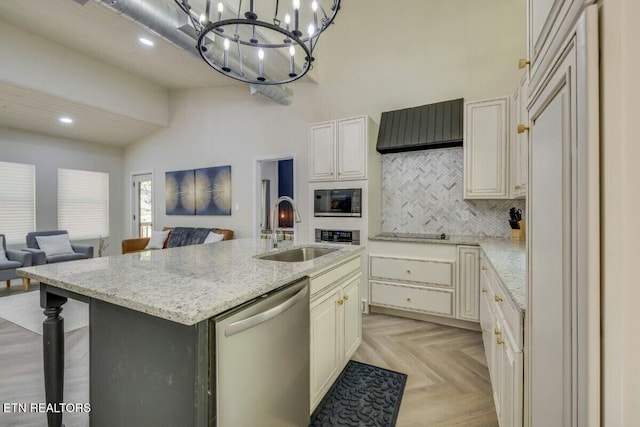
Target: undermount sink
299 254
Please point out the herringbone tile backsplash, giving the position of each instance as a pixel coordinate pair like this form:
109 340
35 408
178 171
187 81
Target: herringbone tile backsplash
422 193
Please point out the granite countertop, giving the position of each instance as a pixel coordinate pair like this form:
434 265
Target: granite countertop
508 258
188 284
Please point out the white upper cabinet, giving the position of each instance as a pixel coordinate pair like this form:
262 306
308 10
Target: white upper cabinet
338 150
322 146
549 23
486 153
352 148
519 141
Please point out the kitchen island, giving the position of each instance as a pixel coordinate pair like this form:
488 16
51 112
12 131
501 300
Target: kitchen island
150 329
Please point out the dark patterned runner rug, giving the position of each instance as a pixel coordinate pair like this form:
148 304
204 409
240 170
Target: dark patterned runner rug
362 396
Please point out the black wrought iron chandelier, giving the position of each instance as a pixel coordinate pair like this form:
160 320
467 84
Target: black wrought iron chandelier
259 41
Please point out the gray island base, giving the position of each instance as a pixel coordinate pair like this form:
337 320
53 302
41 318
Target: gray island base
152 342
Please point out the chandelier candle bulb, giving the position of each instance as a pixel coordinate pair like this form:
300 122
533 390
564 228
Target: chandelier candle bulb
314 7
220 10
226 56
292 53
251 14
296 17
261 57
287 21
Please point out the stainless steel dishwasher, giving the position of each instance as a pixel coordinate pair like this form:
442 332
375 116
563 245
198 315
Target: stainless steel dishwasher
260 362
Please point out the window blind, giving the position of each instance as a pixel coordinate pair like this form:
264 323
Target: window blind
17 201
83 203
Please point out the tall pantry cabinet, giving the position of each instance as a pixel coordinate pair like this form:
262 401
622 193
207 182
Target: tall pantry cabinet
562 322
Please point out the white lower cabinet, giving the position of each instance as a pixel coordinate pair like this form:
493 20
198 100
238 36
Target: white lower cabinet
503 348
468 283
434 279
336 325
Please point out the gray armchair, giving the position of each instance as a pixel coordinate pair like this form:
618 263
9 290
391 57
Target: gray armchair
16 259
40 257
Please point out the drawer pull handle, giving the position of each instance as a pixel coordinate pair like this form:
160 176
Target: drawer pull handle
484 291
523 63
517 187
340 302
497 331
408 271
484 330
500 341
408 299
483 268
498 299
346 297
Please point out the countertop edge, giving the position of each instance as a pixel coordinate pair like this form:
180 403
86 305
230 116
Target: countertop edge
190 319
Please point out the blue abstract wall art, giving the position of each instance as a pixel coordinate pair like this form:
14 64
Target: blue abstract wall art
205 191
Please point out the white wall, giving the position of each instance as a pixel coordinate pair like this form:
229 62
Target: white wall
379 56
48 154
620 91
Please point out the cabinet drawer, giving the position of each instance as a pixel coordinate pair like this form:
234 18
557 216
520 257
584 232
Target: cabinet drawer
510 314
502 305
432 272
413 298
331 275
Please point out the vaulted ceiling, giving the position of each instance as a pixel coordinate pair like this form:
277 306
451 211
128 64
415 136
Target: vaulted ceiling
94 31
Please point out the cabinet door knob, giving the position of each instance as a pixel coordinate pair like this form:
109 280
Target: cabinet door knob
484 330
500 341
484 290
517 187
346 297
408 299
483 268
523 63
408 271
523 128
497 331
340 302
498 299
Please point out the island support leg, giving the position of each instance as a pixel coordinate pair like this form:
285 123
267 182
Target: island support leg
53 349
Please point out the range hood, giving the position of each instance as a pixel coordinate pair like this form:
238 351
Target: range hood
430 126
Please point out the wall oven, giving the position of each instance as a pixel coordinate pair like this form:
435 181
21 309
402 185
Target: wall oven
338 202
345 237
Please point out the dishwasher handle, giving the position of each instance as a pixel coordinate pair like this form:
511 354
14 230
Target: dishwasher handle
250 322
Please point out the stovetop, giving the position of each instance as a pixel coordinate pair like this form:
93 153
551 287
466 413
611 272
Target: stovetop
425 236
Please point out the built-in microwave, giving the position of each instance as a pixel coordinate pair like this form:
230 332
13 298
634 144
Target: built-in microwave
339 202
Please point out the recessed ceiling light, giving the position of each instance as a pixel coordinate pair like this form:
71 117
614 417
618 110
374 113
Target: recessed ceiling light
146 42
66 120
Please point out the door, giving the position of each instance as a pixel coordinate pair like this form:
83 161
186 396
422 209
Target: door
563 239
352 316
142 207
486 161
468 283
352 148
322 138
326 343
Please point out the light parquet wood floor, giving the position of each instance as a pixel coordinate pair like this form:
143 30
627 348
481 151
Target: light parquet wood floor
448 381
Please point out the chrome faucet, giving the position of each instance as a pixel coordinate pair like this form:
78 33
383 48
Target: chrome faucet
296 217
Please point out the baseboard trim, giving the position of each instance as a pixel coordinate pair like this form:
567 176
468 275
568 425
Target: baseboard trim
456 323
